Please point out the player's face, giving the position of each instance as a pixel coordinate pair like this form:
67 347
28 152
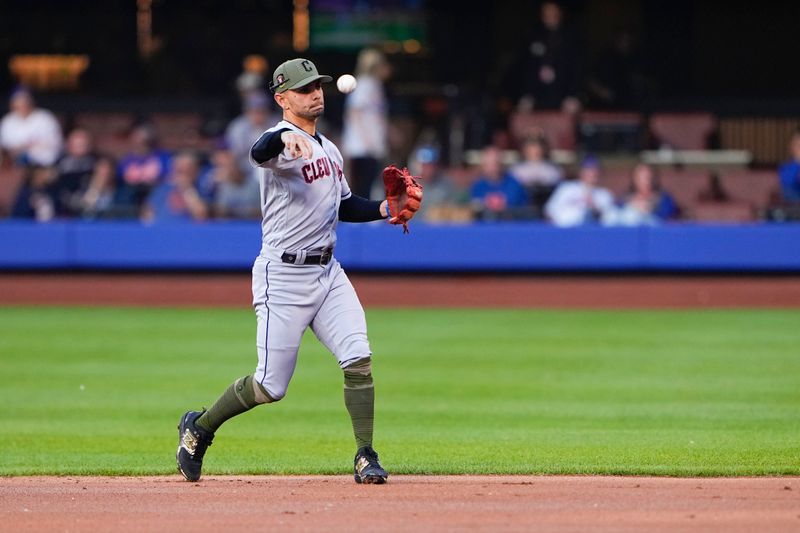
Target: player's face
307 102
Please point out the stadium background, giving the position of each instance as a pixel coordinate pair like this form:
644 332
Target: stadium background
503 347
718 83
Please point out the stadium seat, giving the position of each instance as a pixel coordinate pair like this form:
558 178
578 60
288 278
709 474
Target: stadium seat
109 130
179 131
170 123
610 118
684 186
722 212
758 188
101 124
682 131
617 180
610 131
558 127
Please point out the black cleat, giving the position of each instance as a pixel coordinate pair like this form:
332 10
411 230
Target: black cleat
367 468
192 444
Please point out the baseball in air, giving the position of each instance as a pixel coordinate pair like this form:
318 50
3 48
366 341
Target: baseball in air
346 83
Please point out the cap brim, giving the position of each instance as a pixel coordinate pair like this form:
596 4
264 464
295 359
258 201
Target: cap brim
321 77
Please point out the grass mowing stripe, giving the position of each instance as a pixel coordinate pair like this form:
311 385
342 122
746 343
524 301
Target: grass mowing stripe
100 390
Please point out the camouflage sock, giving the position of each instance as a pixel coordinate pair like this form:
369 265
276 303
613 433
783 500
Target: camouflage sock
359 398
238 398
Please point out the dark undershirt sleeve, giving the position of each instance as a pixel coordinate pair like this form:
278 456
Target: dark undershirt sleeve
358 209
267 146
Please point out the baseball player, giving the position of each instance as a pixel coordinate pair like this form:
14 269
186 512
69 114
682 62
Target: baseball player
297 282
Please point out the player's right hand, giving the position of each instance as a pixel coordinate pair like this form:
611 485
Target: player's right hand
298 145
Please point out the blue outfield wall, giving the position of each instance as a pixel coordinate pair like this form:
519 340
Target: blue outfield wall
376 246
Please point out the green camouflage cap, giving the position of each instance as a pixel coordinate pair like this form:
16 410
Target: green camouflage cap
294 74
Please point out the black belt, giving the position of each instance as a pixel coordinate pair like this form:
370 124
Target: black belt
323 259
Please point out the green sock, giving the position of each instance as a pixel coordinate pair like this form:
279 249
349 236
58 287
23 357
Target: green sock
238 398
359 398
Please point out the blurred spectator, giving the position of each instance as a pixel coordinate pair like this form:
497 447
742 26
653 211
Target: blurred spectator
178 199
366 120
143 168
787 207
236 194
248 83
444 200
646 203
546 70
619 80
29 134
73 171
35 196
581 201
251 80
97 199
536 172
495 193
789 172
244 130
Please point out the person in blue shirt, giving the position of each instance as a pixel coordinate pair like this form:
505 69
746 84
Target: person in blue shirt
495 193
179 199
789 172
143 168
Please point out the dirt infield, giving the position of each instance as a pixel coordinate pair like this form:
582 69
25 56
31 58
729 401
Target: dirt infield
407 503
233 290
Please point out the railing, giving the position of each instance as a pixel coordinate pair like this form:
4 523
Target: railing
522 247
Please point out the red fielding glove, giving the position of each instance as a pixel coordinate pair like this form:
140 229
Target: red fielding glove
403 195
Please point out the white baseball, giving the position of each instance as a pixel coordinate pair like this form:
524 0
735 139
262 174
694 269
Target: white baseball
346 83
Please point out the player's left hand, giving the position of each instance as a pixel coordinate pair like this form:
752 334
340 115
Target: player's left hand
403 195
297 145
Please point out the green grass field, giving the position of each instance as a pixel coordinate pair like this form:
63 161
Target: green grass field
100 391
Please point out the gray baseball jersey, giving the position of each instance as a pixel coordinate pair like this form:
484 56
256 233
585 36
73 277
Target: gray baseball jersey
300 198
300 205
